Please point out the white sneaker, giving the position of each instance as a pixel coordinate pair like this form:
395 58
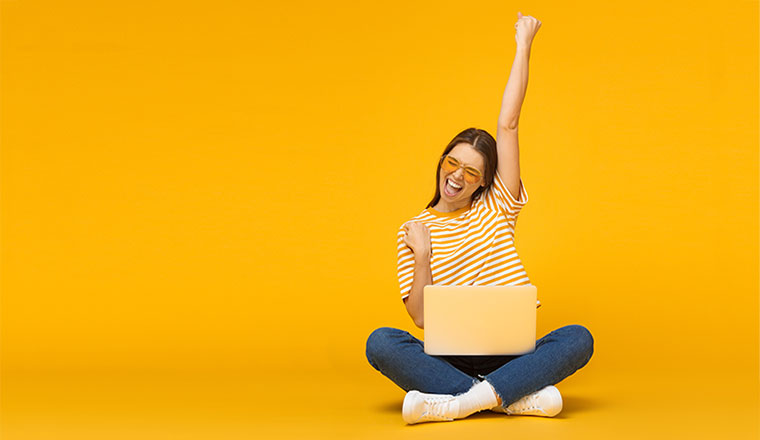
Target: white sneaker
422 407
546 402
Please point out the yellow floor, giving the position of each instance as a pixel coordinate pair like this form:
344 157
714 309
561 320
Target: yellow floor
364 404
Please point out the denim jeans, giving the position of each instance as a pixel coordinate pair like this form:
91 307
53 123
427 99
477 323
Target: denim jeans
401 357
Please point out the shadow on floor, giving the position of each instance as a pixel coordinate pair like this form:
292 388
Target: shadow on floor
391 406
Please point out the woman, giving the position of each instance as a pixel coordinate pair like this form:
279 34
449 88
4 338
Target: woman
465 236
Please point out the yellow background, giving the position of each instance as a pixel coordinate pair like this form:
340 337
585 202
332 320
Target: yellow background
200 203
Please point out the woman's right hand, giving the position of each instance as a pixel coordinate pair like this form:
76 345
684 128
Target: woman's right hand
417 237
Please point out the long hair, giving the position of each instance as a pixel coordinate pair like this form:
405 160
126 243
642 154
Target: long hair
485 144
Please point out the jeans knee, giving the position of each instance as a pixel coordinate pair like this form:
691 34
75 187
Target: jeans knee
379 344
583 341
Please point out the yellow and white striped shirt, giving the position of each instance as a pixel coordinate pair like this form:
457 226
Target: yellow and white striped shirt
472 246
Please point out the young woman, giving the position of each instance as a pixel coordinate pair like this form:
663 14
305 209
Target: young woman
465 236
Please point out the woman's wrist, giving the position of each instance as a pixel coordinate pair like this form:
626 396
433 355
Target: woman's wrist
422 257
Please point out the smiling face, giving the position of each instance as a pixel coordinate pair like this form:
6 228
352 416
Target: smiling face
468 156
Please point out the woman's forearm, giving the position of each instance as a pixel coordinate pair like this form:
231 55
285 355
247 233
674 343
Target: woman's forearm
422 277
514 92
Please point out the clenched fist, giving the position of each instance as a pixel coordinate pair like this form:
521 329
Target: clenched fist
526 28
417 237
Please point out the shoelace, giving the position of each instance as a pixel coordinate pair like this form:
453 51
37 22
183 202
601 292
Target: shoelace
436 407
527 403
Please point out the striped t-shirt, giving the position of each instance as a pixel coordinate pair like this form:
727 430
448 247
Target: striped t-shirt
472 246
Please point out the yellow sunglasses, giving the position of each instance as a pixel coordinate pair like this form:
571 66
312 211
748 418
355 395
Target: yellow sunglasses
451 164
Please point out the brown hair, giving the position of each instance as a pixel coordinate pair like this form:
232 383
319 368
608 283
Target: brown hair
485 144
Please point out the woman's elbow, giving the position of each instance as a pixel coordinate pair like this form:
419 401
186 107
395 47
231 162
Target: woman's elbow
418 321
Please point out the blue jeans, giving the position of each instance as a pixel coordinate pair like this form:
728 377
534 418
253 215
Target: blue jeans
401 357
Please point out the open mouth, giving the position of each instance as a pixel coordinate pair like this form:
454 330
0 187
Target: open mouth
451 188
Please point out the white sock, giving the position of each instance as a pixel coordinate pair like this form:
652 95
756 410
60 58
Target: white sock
481 396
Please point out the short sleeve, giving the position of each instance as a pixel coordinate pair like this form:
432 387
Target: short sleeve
504 200
405 264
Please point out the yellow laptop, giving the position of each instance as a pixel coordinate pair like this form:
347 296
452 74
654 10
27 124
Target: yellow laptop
480 320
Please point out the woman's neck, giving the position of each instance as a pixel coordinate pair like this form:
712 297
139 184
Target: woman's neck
442 206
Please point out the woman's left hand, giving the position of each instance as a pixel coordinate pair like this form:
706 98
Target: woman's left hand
417 237
526 28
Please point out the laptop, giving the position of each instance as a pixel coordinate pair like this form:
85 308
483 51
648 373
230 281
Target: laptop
480 320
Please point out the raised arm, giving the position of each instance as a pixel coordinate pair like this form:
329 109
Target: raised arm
418 239
514 94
